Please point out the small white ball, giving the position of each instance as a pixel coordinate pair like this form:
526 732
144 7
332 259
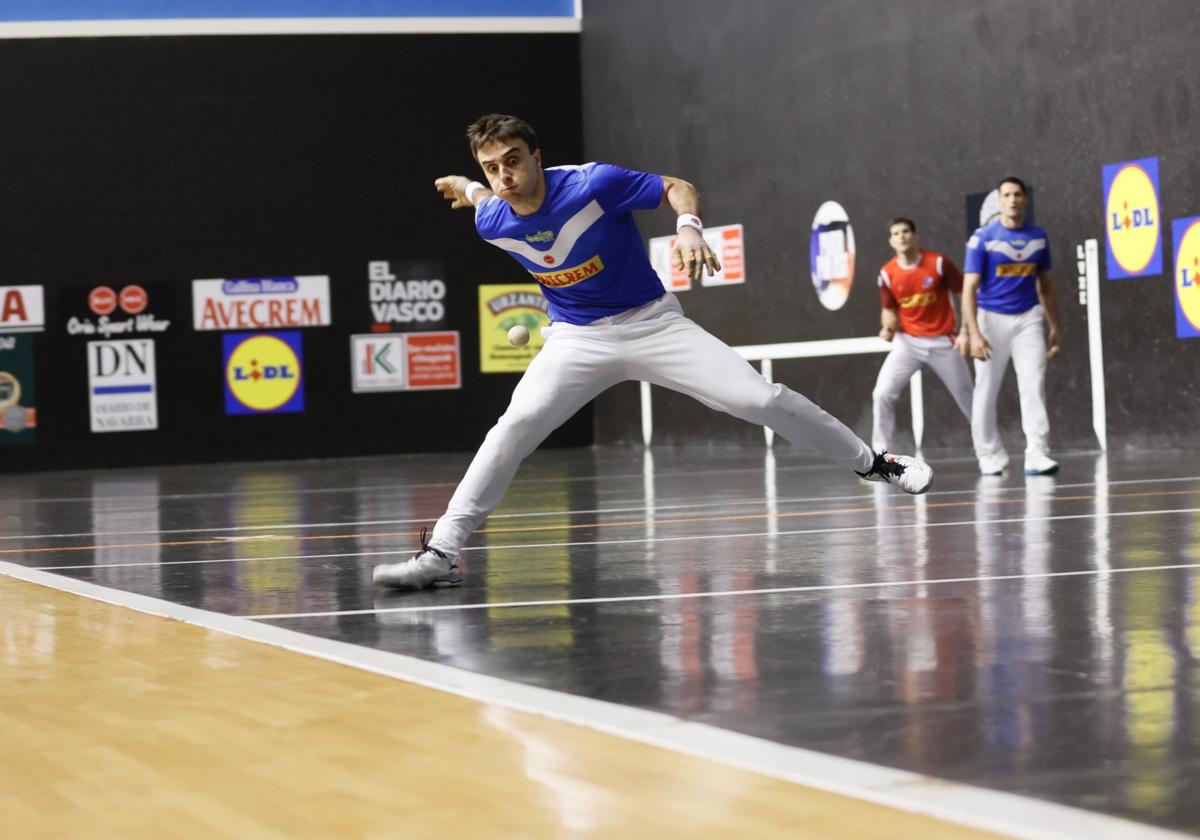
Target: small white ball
518 336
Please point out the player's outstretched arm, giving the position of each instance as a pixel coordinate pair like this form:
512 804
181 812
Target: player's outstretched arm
691 251
461 191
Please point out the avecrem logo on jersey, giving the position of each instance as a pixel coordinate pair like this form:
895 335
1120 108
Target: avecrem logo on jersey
919 299
1131 218
263 373
121 385
261 303
570 276
21 309
102 310
1016 270
409 292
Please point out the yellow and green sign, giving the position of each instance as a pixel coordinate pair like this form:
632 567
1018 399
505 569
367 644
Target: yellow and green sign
502 307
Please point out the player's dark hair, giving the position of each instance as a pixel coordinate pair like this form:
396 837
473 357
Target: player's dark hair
500 127
1013 179
901 220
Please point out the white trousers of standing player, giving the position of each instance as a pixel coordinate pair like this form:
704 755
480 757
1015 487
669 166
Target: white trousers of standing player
908 355
1022 338
655 343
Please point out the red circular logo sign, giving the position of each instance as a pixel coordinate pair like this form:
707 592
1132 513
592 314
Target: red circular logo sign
133 299
549 260
102 300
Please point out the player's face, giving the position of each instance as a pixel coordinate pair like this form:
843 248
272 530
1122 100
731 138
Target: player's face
1012 201
513 172
902 238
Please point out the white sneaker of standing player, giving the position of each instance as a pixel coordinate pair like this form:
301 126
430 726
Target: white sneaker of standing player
993 464
911 475
428 567
1040 465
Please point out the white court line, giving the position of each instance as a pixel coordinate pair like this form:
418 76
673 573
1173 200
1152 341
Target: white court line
646 540
631 508
722 593
535 479
525 515
1017 816
406 551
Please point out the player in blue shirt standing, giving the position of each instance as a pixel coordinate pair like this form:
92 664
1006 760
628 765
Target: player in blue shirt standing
571 227
1007 304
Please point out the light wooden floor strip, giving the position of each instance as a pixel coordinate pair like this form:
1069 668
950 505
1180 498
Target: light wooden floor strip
122 724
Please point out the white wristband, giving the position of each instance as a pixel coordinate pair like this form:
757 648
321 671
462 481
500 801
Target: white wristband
470 190
688 220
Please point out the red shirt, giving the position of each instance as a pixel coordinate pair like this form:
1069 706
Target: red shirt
921 293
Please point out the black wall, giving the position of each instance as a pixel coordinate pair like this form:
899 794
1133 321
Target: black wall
772 107
150 160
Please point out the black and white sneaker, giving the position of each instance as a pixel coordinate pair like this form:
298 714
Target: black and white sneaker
428 567
909 474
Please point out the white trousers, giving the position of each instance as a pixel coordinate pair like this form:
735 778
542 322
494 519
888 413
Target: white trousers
655 343
1023 339
907 356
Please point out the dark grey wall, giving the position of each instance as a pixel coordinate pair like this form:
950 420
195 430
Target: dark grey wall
772 107
162 160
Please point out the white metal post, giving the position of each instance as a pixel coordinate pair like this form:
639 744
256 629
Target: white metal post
647 415
768 372
917 396
1095 342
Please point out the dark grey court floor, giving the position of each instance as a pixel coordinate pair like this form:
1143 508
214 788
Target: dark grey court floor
1034 635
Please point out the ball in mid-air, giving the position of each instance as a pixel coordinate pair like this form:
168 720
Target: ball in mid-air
518 336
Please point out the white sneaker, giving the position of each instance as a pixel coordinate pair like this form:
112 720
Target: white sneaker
909 474
993 464
1040 465
428 567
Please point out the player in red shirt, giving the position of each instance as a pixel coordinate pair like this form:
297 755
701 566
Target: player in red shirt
917 317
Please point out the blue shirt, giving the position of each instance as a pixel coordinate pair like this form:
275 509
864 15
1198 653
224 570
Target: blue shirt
582 244
1008 262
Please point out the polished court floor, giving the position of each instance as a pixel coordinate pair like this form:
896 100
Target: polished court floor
1036 636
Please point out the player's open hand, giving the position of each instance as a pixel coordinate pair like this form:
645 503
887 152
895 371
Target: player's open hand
980 348
1052 346
693 254
962 343
454 189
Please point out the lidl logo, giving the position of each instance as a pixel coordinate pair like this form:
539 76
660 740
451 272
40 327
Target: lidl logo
1133 231
263 373
1186 234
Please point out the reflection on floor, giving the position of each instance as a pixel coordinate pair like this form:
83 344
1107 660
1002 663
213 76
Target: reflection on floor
1035 635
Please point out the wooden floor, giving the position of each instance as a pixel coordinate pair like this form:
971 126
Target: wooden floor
1015 654
120 724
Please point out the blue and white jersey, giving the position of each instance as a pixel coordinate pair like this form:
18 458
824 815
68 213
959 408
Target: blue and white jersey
1008 262
582 244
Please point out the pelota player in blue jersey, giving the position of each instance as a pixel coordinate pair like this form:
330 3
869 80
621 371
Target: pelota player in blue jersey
572 228
1009 306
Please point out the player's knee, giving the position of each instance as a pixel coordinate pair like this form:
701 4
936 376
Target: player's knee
516 422
762 404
